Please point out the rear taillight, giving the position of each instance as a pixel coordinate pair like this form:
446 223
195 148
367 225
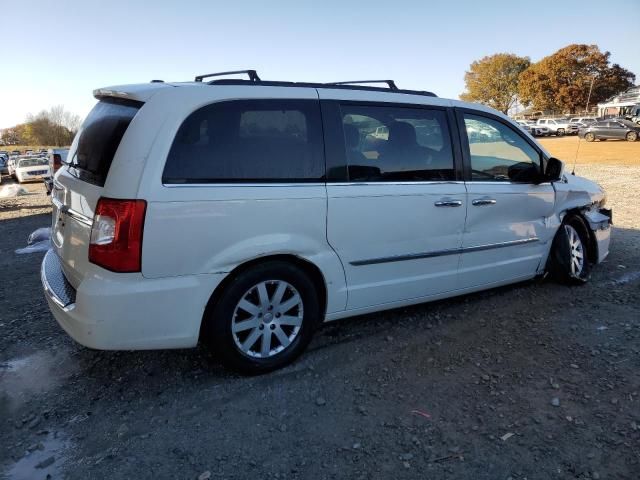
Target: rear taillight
57 161
116 234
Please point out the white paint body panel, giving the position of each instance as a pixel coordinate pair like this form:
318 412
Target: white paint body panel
521 213
195 235
373 221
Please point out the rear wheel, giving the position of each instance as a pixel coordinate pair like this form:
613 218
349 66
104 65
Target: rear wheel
560 132
589 137
632 136
569 257
264 319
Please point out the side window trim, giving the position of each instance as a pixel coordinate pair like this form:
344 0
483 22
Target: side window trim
335 149
466 149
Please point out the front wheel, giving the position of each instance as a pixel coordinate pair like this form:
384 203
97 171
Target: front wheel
264 319
569 259
560 132
589 137
632 136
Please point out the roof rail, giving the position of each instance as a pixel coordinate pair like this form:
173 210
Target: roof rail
339 85
253 75
391 83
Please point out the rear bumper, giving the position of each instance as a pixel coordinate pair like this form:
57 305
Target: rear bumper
110 311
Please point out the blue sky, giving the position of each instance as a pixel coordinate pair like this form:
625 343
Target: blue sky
57 52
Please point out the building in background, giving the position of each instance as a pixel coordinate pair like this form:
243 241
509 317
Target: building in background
625 104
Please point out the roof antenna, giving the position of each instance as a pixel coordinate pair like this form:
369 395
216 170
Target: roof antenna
586 111
575 160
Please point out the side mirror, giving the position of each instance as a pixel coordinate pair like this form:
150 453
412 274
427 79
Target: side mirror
553 171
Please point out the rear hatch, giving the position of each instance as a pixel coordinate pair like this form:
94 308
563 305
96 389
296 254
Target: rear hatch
79 185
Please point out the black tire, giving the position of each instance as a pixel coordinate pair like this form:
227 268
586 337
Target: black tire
631 137
589 137
603 139
562 251
217 328
560 132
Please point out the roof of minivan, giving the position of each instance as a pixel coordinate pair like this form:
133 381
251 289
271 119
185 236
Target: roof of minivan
144 91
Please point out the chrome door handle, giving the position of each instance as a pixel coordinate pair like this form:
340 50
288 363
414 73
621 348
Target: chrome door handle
483 201
448 203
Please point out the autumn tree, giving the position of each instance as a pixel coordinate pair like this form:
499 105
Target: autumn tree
493 80
55 126
561 81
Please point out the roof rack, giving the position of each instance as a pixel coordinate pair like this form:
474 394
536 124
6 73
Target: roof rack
253 75
391 83
254 79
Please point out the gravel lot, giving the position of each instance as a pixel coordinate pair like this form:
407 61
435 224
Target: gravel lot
531 381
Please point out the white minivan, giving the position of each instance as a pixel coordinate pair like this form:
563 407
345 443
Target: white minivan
244 213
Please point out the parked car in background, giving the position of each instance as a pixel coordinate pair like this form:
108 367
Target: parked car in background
57 157
29 169
11 164
583 120
618 129
558 127
246 213
534 129
4 160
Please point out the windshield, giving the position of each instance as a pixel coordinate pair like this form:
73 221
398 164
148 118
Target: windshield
33 162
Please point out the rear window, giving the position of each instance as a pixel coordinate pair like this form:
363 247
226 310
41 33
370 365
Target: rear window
248 141
100 137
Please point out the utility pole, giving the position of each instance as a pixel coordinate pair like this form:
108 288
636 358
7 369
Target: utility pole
586 109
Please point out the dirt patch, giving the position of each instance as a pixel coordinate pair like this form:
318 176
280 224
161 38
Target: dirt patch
611 152
534 380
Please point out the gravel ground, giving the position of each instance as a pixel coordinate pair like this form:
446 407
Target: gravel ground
531 381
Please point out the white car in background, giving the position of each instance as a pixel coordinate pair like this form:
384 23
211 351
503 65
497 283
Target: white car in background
244 213
535 130
29 169
558 126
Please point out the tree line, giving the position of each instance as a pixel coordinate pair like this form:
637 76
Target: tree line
55 126
568 81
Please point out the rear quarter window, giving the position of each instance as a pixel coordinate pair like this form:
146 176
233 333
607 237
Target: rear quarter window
100 136
248 141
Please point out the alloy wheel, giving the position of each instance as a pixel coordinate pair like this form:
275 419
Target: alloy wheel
267 319
576 251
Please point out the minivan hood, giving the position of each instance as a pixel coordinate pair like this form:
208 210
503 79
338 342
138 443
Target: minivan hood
576 192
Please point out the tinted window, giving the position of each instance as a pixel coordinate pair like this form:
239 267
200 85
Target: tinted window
248 141
499 153
397 144
100 137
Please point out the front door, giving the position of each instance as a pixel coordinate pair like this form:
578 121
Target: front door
396 221
509 227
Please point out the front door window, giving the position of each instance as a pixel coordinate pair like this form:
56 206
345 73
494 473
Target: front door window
498 153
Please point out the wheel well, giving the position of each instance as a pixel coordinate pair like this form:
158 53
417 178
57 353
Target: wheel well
593 245
309 268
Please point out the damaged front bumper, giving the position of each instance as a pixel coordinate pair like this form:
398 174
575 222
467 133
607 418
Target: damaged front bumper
600 222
